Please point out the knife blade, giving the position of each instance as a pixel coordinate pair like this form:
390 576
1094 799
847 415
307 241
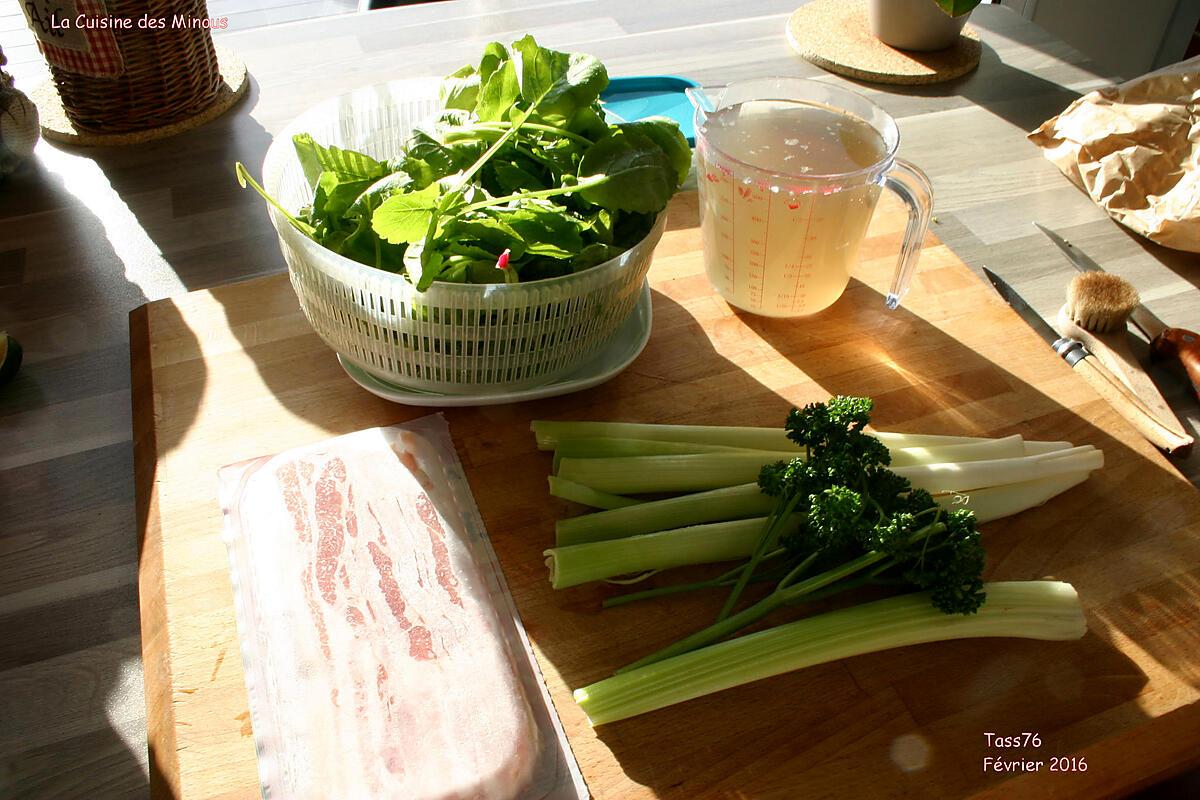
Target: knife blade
1071 350
1166 343
1107 385
1142 317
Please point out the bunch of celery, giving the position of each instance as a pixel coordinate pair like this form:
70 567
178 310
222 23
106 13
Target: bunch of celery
816 509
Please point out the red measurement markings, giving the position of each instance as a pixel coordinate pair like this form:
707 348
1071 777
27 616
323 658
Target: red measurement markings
437 541
807 229
733 238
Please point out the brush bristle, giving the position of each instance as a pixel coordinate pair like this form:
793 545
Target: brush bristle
1100 302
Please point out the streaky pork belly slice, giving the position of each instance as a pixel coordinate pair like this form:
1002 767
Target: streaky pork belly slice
385 668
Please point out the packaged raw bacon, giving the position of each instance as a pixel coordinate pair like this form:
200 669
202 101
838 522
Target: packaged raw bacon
384 657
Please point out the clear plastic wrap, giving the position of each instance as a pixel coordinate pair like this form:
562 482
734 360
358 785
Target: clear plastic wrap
383 654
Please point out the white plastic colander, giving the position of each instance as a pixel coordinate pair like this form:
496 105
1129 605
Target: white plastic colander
452 338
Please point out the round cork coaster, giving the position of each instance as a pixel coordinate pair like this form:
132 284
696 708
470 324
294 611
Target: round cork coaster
834 35
56 126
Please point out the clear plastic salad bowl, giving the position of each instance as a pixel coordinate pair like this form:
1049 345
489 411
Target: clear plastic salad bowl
453 338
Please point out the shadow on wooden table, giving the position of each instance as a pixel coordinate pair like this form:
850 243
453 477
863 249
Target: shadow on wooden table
68 659
209 232
1019 97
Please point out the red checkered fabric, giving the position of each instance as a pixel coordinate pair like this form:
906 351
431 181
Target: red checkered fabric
99 57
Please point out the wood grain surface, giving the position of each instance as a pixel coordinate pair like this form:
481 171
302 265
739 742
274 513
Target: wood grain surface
88 235
234 372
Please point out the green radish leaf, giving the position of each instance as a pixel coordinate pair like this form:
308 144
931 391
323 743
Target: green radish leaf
595 253
460 89
494 235
315 159
335 195
601 225
498 94
431 266
494 54
628 172
564 82
512 179
379 191
665 133
589 122
405 217
957 8
546 229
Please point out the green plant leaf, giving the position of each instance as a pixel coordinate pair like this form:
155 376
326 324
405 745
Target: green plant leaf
460 89
546 229
405 217
957 8
589 122
490 233
494 54
430 268
665 133
593 254
511 178
380 190
498 94
335 194
564 82
636 174
315 159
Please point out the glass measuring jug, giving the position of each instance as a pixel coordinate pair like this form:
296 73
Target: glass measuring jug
789 172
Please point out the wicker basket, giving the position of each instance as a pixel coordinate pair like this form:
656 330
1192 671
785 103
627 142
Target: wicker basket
453 338
170 74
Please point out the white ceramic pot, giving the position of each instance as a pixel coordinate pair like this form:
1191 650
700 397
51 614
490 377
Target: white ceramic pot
913 24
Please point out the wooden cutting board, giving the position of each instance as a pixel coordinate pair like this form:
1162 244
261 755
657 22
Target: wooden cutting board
235 372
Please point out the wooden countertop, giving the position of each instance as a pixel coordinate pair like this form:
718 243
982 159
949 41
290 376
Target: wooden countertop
235 372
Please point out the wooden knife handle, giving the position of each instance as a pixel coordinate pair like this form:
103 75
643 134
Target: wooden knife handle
1131 408
1113 351
1180 345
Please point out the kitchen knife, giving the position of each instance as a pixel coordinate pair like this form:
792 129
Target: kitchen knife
1165 342
1107 385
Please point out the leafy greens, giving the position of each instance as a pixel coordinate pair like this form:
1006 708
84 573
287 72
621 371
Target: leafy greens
519 177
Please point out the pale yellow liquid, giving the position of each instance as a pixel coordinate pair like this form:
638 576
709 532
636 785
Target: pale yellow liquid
779 239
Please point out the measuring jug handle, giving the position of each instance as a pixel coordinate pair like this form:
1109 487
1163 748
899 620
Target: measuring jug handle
916 191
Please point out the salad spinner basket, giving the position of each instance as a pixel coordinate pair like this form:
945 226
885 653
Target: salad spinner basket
452 338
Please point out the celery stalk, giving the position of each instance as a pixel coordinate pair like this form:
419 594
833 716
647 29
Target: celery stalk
943 478
550 432
1048 610
734 502
601 447
996 502
586 495
679 473
697 544
1008 447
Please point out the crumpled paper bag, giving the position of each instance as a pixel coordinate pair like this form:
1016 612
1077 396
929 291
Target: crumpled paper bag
1135 149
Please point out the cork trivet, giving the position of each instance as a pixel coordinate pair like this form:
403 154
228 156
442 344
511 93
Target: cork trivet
58 127
834 35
